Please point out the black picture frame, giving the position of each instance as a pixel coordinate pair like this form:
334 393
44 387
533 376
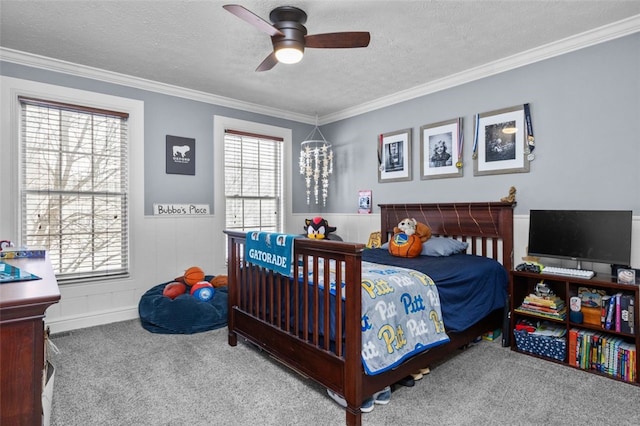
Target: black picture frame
180 155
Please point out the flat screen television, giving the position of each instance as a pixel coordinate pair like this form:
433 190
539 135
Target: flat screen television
600 236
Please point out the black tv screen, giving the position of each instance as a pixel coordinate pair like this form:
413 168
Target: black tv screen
601 236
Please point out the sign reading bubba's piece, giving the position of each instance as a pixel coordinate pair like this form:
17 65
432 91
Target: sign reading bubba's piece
271 251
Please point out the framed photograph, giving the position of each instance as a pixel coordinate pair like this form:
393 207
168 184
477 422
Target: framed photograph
500 144
364 201
441 149
394 156
180 156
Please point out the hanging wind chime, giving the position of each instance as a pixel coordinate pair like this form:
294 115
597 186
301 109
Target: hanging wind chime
316 164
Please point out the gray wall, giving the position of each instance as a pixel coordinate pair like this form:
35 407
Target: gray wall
585 109
166 115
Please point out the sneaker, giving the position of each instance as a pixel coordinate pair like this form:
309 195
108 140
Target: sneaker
416 376
367 405
407 381
425 370
337 398
383 397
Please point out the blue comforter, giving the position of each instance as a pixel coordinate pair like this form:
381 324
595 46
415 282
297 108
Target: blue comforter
470 286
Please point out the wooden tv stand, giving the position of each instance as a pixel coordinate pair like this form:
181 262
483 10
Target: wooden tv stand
523 283
22 310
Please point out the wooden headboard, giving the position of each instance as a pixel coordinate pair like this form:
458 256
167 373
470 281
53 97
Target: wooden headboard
487 227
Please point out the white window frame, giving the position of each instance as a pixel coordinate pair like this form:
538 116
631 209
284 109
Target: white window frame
265 143
11 89
220 123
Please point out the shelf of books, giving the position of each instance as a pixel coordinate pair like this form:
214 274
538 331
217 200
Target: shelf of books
586 324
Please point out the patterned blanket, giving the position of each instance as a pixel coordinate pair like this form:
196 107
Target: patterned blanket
400 314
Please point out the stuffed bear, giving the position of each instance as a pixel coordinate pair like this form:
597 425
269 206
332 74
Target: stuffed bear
412 226
318 228
406 225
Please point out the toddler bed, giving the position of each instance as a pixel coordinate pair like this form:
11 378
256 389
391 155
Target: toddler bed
304 327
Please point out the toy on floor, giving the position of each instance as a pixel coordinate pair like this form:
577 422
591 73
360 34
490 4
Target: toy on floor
174 289
318 228
193 275
219 281
186 313
203 291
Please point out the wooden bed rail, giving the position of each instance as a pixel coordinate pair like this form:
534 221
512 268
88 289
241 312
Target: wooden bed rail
286 314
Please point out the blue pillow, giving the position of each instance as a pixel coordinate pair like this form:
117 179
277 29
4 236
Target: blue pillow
442 246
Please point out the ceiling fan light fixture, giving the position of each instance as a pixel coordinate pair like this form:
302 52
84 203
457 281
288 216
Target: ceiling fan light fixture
289 55
289 35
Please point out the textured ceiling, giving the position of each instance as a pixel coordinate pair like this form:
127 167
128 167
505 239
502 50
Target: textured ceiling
200 46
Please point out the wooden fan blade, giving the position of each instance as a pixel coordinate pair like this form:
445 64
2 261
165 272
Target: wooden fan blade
250 17
268 63
338 40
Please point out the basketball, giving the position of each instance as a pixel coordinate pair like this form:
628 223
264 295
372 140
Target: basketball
202 291
174 289
193 275
403 245
219 281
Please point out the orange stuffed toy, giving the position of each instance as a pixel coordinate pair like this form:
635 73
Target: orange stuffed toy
403 245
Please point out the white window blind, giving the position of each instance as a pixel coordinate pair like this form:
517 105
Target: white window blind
253 181
74 187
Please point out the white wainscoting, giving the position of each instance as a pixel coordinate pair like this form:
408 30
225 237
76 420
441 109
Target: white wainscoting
163 247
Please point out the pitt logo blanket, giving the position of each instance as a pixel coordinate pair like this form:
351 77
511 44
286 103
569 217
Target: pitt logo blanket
271 251
401 315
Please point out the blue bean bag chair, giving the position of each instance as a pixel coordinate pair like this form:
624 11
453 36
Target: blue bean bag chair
183 315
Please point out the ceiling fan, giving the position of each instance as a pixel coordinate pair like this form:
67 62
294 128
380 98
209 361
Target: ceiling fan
289 35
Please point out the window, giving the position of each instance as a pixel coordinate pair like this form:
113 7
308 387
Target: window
253 181
74 187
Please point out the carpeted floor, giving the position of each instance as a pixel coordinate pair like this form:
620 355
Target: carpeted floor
120 374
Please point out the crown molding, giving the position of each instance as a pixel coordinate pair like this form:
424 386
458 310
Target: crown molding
609 32
580 41
56 65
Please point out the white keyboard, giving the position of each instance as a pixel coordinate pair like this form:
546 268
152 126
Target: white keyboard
568 272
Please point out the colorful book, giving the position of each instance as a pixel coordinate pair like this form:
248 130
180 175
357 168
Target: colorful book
627 308
17 253
10 273
618 312
609 322
573 344
603 310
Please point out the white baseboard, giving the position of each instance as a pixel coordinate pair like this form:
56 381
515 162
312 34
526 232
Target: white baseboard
63 324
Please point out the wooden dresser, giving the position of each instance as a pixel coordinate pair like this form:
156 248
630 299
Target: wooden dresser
22 308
